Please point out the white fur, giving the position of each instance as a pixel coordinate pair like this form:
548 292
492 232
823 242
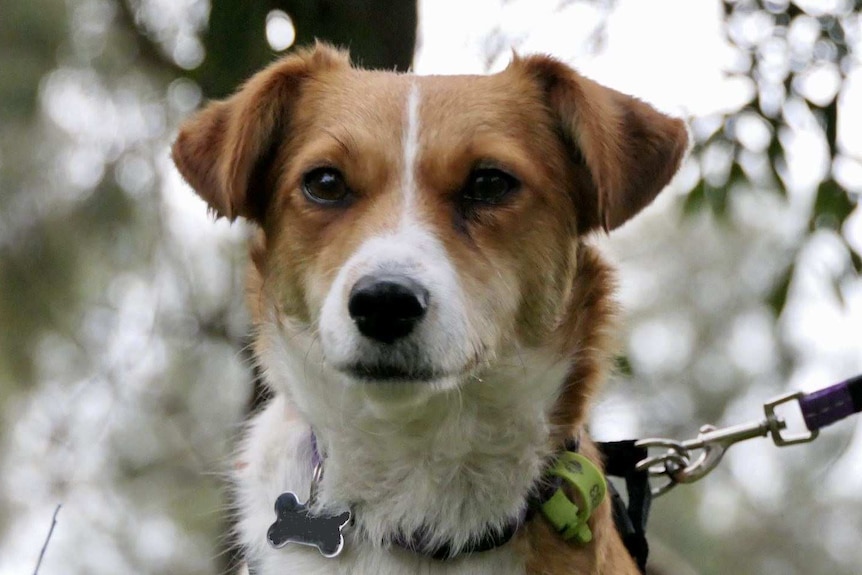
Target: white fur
448 337
443 338
452 455
410 152
455 461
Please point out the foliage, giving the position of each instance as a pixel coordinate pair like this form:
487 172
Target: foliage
794 59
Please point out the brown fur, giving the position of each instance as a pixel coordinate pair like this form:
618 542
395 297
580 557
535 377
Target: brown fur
588 157
631 150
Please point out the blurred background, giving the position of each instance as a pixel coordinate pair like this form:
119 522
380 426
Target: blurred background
124 373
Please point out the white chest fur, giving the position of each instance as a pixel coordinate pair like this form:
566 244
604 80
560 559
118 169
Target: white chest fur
276 457
470 465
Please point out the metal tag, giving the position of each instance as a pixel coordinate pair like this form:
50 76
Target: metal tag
295 523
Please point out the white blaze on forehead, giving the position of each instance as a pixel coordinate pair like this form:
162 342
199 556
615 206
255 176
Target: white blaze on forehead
410 143
411 248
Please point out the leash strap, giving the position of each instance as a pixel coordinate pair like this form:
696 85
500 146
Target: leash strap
621 459
834 403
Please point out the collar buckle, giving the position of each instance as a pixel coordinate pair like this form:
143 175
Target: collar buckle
589 485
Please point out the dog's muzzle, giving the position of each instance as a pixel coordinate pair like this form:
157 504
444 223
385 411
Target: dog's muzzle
390 319
387 308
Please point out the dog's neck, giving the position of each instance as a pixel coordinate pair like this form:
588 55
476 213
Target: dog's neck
462 462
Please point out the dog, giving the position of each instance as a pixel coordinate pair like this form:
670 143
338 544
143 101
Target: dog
428 309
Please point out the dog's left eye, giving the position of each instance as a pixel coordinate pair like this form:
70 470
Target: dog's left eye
325 186
488 186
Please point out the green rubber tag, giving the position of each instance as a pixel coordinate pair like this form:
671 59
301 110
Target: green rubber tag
590 485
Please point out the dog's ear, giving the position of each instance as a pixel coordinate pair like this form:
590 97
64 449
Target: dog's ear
630 150
220 148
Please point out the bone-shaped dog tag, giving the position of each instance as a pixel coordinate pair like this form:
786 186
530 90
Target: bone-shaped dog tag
295 523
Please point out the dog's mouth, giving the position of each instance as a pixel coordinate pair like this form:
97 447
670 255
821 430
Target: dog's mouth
391 373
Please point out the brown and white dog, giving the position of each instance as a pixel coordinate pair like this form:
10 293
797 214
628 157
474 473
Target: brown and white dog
424 296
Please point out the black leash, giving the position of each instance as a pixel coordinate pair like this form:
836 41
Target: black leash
630 459
621 460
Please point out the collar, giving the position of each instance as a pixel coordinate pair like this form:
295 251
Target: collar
568 468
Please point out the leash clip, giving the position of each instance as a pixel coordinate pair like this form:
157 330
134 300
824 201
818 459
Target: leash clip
678 465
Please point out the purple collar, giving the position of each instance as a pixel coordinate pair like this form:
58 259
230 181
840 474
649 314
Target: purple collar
491 537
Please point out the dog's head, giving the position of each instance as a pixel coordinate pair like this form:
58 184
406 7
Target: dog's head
417 229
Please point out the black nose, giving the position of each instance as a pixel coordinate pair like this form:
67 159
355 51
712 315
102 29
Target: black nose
387 308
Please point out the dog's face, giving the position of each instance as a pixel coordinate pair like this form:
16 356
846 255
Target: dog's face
418 229
412 217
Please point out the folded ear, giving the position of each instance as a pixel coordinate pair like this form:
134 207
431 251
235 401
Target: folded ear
631 151
220 150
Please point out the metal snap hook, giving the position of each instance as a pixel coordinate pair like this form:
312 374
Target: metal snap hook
676 463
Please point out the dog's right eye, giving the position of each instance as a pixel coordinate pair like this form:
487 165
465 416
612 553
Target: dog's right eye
488 186
325 186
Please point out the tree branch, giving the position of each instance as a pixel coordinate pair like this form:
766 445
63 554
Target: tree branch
148 50
47 539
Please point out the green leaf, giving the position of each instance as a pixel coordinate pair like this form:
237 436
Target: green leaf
777 298
695 200
830 119
623 366
737 174
716 197
856 260
703 196
776 154
831 207
836 290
